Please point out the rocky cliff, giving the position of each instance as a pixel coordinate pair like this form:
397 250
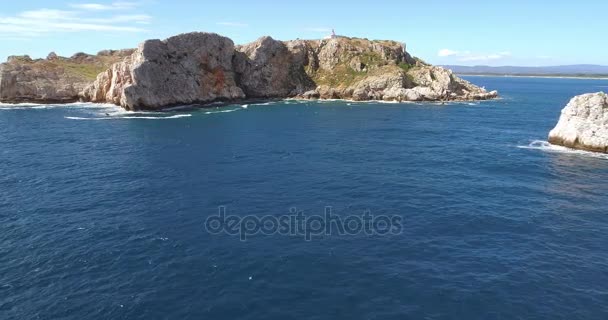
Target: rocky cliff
185 69
583 123
204 67
346 68
54 79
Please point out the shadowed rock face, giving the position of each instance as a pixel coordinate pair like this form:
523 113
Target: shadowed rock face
268 68
583 123
52 80
204 67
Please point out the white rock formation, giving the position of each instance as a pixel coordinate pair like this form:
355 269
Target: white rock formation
583 123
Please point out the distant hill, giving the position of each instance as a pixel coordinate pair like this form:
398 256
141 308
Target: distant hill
578 70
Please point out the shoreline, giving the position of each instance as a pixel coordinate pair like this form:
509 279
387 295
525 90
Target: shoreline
530 76
220 104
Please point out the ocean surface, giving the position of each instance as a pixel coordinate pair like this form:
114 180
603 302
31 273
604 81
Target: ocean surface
102 212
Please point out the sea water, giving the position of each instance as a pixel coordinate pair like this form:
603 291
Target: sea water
106 219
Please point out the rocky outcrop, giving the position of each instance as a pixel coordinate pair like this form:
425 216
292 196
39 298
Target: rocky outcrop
360 69
185 69
199 68
268 68
202 67
583 123
52 80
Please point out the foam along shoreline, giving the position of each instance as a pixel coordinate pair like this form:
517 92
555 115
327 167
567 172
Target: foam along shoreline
222 104
545 146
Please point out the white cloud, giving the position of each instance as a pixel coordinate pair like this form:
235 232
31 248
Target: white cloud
48 14
232 24
468 56
133 18
119 5
41 22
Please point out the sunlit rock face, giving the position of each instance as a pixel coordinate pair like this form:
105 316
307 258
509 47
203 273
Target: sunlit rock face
583 123
54 79
200 68
184 69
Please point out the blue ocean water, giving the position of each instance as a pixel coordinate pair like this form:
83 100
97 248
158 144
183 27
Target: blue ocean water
102 212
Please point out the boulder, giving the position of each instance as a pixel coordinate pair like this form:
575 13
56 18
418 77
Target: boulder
583 124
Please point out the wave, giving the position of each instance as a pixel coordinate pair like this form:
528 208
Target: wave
39 106
548 147
177 116
222 111
123 112
265 103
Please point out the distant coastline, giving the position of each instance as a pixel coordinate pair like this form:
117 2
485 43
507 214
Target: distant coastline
575 71
581 77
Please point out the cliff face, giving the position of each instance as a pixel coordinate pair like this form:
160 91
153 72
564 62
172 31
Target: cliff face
345 68
52 80
189 68
268 68
203 67
583 123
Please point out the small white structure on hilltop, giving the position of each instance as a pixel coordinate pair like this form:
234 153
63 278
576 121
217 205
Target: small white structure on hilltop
332 35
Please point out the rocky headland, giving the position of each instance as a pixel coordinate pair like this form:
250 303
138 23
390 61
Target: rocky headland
201 68
583 124
54 79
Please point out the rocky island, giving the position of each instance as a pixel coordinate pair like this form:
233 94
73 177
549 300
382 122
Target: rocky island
583 124
201 68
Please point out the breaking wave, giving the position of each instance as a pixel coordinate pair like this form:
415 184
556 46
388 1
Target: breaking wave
38 106
222 111
548 147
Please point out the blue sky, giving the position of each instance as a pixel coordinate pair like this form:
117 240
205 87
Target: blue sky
441 32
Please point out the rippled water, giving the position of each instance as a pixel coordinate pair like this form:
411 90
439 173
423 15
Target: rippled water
104 219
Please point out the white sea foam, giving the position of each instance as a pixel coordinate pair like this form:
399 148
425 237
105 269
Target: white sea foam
222 111
38 106
20 105
245 106
547 147
264 103
130 117
123 112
